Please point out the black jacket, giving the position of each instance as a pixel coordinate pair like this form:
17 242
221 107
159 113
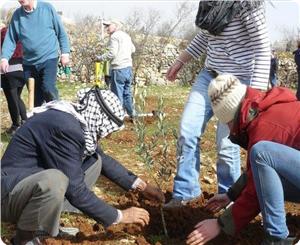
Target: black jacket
54 139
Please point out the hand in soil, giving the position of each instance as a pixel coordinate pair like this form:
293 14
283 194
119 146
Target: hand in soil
204 232
217 202
154 193
135 215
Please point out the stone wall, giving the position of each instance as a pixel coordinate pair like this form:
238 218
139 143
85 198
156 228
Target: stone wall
153 57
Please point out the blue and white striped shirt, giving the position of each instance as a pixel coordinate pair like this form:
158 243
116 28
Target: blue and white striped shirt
242 48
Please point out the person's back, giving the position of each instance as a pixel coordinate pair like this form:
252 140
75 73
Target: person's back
122 56
34 140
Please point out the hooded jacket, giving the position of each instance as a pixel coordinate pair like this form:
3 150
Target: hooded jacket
272 116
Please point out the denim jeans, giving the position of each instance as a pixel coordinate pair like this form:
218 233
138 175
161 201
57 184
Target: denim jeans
44 75
121 80
197 113
273 80
276 176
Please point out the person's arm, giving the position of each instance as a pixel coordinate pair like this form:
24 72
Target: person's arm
62 37
236 189
116 172
195 49
198 45
242 211
255 23
113 48
65 151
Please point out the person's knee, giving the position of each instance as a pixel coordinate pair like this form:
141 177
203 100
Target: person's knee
257 152
54 183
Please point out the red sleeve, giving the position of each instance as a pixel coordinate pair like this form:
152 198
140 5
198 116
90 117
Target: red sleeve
3 32
246 207
18 51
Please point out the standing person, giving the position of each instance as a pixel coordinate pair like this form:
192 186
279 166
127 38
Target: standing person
297 60
48 161
234 38
38 27
119 54
273 69
252 117
12 84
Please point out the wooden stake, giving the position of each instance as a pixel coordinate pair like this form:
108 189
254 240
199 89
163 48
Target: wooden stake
30 93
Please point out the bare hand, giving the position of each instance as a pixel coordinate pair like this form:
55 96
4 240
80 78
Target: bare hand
173 70
153 193
4 65
217 202
65 59
135 215
204 231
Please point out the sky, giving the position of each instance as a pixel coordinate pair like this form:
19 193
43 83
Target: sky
284 14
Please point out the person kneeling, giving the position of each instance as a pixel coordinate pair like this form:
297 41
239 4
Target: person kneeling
53 161
255 116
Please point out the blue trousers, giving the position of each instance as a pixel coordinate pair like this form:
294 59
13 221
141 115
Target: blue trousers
276 175
121 80
45 80
197 113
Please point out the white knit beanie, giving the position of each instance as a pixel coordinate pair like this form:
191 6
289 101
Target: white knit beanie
226 92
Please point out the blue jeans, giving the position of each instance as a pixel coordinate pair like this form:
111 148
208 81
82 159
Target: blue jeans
276 175
121 80
197 113
273 80
44 75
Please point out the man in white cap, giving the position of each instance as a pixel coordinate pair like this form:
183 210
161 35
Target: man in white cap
119 53
53 161
253 117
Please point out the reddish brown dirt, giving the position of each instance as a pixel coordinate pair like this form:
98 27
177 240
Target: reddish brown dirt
179 222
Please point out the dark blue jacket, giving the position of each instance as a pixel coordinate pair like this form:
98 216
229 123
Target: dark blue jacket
297 57
54 139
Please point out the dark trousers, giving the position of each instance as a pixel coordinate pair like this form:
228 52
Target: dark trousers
298 89
45 80
12 84
36 202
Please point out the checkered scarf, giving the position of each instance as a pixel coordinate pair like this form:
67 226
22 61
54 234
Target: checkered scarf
94 122
98 122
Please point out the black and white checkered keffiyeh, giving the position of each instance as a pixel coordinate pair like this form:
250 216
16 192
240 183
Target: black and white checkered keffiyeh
99 124
94 122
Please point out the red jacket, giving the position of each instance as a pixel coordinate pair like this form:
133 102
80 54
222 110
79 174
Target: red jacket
272 116
18 51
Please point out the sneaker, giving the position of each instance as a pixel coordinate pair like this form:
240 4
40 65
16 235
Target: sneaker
270 240
16 240
176 203
67 231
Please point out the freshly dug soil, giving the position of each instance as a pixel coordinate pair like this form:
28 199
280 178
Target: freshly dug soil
179 223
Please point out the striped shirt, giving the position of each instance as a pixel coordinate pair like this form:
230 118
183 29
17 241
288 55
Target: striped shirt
242 48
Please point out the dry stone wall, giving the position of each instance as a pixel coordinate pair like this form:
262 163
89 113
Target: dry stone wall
152 59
